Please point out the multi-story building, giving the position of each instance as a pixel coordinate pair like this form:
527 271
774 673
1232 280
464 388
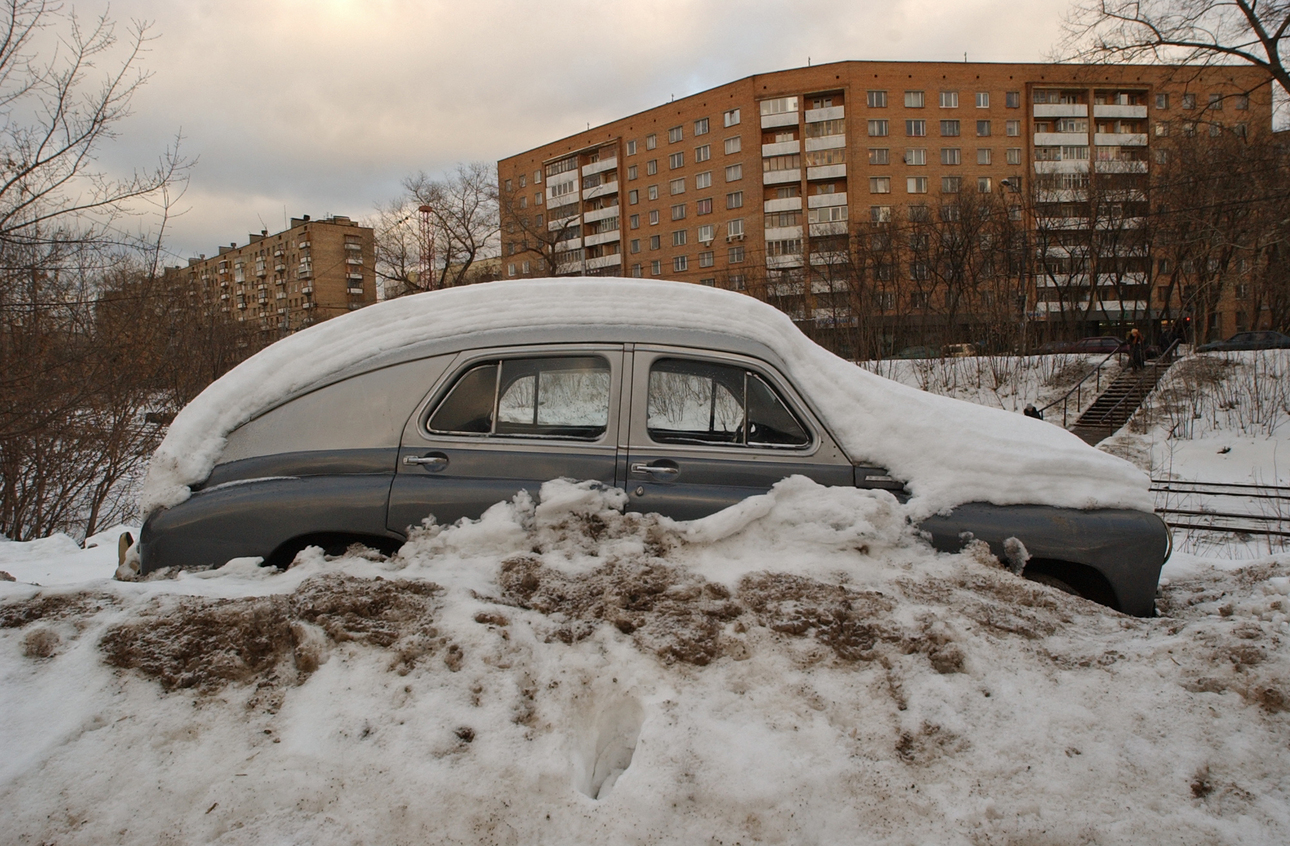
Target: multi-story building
804 184
315 270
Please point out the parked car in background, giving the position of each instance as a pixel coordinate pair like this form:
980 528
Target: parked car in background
918 352
1264 340
690 399
960 350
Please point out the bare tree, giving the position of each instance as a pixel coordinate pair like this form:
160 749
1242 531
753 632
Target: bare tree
398 247
535 229
1196 32
463 209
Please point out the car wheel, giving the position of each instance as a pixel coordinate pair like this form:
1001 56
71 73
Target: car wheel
1053 582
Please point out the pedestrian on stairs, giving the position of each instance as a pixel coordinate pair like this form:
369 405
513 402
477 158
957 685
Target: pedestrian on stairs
1137 351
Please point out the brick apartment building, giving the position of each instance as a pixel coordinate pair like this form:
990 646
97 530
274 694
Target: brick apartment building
774 182
315 270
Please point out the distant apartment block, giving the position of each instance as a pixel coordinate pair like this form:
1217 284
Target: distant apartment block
313 271
772 182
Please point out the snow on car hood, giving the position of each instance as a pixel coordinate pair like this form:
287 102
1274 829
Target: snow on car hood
948 451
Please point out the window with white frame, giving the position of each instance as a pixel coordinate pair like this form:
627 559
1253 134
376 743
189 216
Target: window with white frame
951 156
915 128
678 211
706 259
1012 128
680 263
951 184
879 156
656 268
876 99
651 141
703 180
916 184
983 128
984 185
733 145
678 238
735 228
651 167
730 118
949 99
913 99
983 99
1013 156
676 186
949 128
915 156
674 135
706 233
877 129
675 160
652 192
702 154
701 126
631 148
735 200
984 155
734 173
880 185
703 206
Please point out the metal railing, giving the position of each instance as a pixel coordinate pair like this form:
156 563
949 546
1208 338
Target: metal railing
1079 387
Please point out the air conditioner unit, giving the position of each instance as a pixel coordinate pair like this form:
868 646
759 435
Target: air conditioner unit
738 237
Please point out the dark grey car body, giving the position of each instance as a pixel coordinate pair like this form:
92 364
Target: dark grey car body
359 458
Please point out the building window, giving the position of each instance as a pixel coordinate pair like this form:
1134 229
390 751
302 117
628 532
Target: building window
1013 128
705 233
632 172
703 180
537 198
733 145
1189 101
951 184
680 263
537 177
676 186
636 271
735 228
949 99
876 99
651 141
702 154
983 99
678 211
703 206
731 118
678 238
653 217
1013 156
652 192
880 185
634 221
509 185
1162 128
655 242
1242 102
951 156
984 156
915 128
701 126
734 173
919 214
916 184
735 255
1162 101
915 156
631 148
1215 130
636 245
983 185
524 180
779 106
880 214
913 99
633 196
656 268
1012 100
1216 102
735 200
707 258
675 160
983 128
651 167
510 270
949 128
877 129
674 135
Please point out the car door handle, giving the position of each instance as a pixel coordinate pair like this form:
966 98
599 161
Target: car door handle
658 471
434 461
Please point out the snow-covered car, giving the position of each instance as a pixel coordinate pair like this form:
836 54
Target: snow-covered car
1265 340
690 399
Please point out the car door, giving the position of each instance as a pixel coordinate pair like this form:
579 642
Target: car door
707 430
506 420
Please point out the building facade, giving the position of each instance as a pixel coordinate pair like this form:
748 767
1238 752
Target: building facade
315 270
843 190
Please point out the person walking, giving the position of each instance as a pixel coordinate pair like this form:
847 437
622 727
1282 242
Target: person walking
1137 351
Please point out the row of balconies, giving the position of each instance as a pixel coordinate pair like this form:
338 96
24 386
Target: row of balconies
812 116
1080 166
1100 139
1048 110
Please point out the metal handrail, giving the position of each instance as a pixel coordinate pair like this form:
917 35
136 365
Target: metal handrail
1077 388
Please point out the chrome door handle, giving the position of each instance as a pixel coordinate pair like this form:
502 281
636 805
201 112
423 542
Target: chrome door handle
430 462
658 471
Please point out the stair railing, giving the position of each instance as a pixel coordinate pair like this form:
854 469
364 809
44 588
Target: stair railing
1078 389
1163 358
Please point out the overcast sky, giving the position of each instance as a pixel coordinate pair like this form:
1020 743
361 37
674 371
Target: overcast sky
321 107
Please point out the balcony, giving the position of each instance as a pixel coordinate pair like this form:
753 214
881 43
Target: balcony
831 113
829 258
833 171
281 295
1121 167
354 276
602 190
785 289
304 273
307 290
838 227
604 261
602 238
354 289
1119 111
828 142
820 201
1055 223
349 245
304 245
278 253
1043 110
1120 139
1073 166
354 260
259 270
785 204
781 262
781 148
278 268
308 304
600 214
778 177
1060 139
784 119
783 233
600 166
562 223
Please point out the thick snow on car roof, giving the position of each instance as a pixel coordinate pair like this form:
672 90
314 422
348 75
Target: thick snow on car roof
949 452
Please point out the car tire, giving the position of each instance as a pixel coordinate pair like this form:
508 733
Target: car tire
1052 582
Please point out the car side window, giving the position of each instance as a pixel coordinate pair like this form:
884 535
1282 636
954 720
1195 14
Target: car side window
558 397
698 402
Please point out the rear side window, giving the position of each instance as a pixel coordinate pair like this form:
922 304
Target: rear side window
563 397
698 402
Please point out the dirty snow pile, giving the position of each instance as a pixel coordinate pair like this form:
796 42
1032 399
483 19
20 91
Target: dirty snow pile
800 668
947 451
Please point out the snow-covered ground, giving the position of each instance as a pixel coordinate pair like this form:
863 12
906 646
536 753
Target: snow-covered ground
800 668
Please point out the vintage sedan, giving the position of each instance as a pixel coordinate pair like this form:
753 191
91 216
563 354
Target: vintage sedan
688 398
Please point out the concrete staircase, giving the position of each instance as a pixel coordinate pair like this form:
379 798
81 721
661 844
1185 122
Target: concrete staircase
1119 401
